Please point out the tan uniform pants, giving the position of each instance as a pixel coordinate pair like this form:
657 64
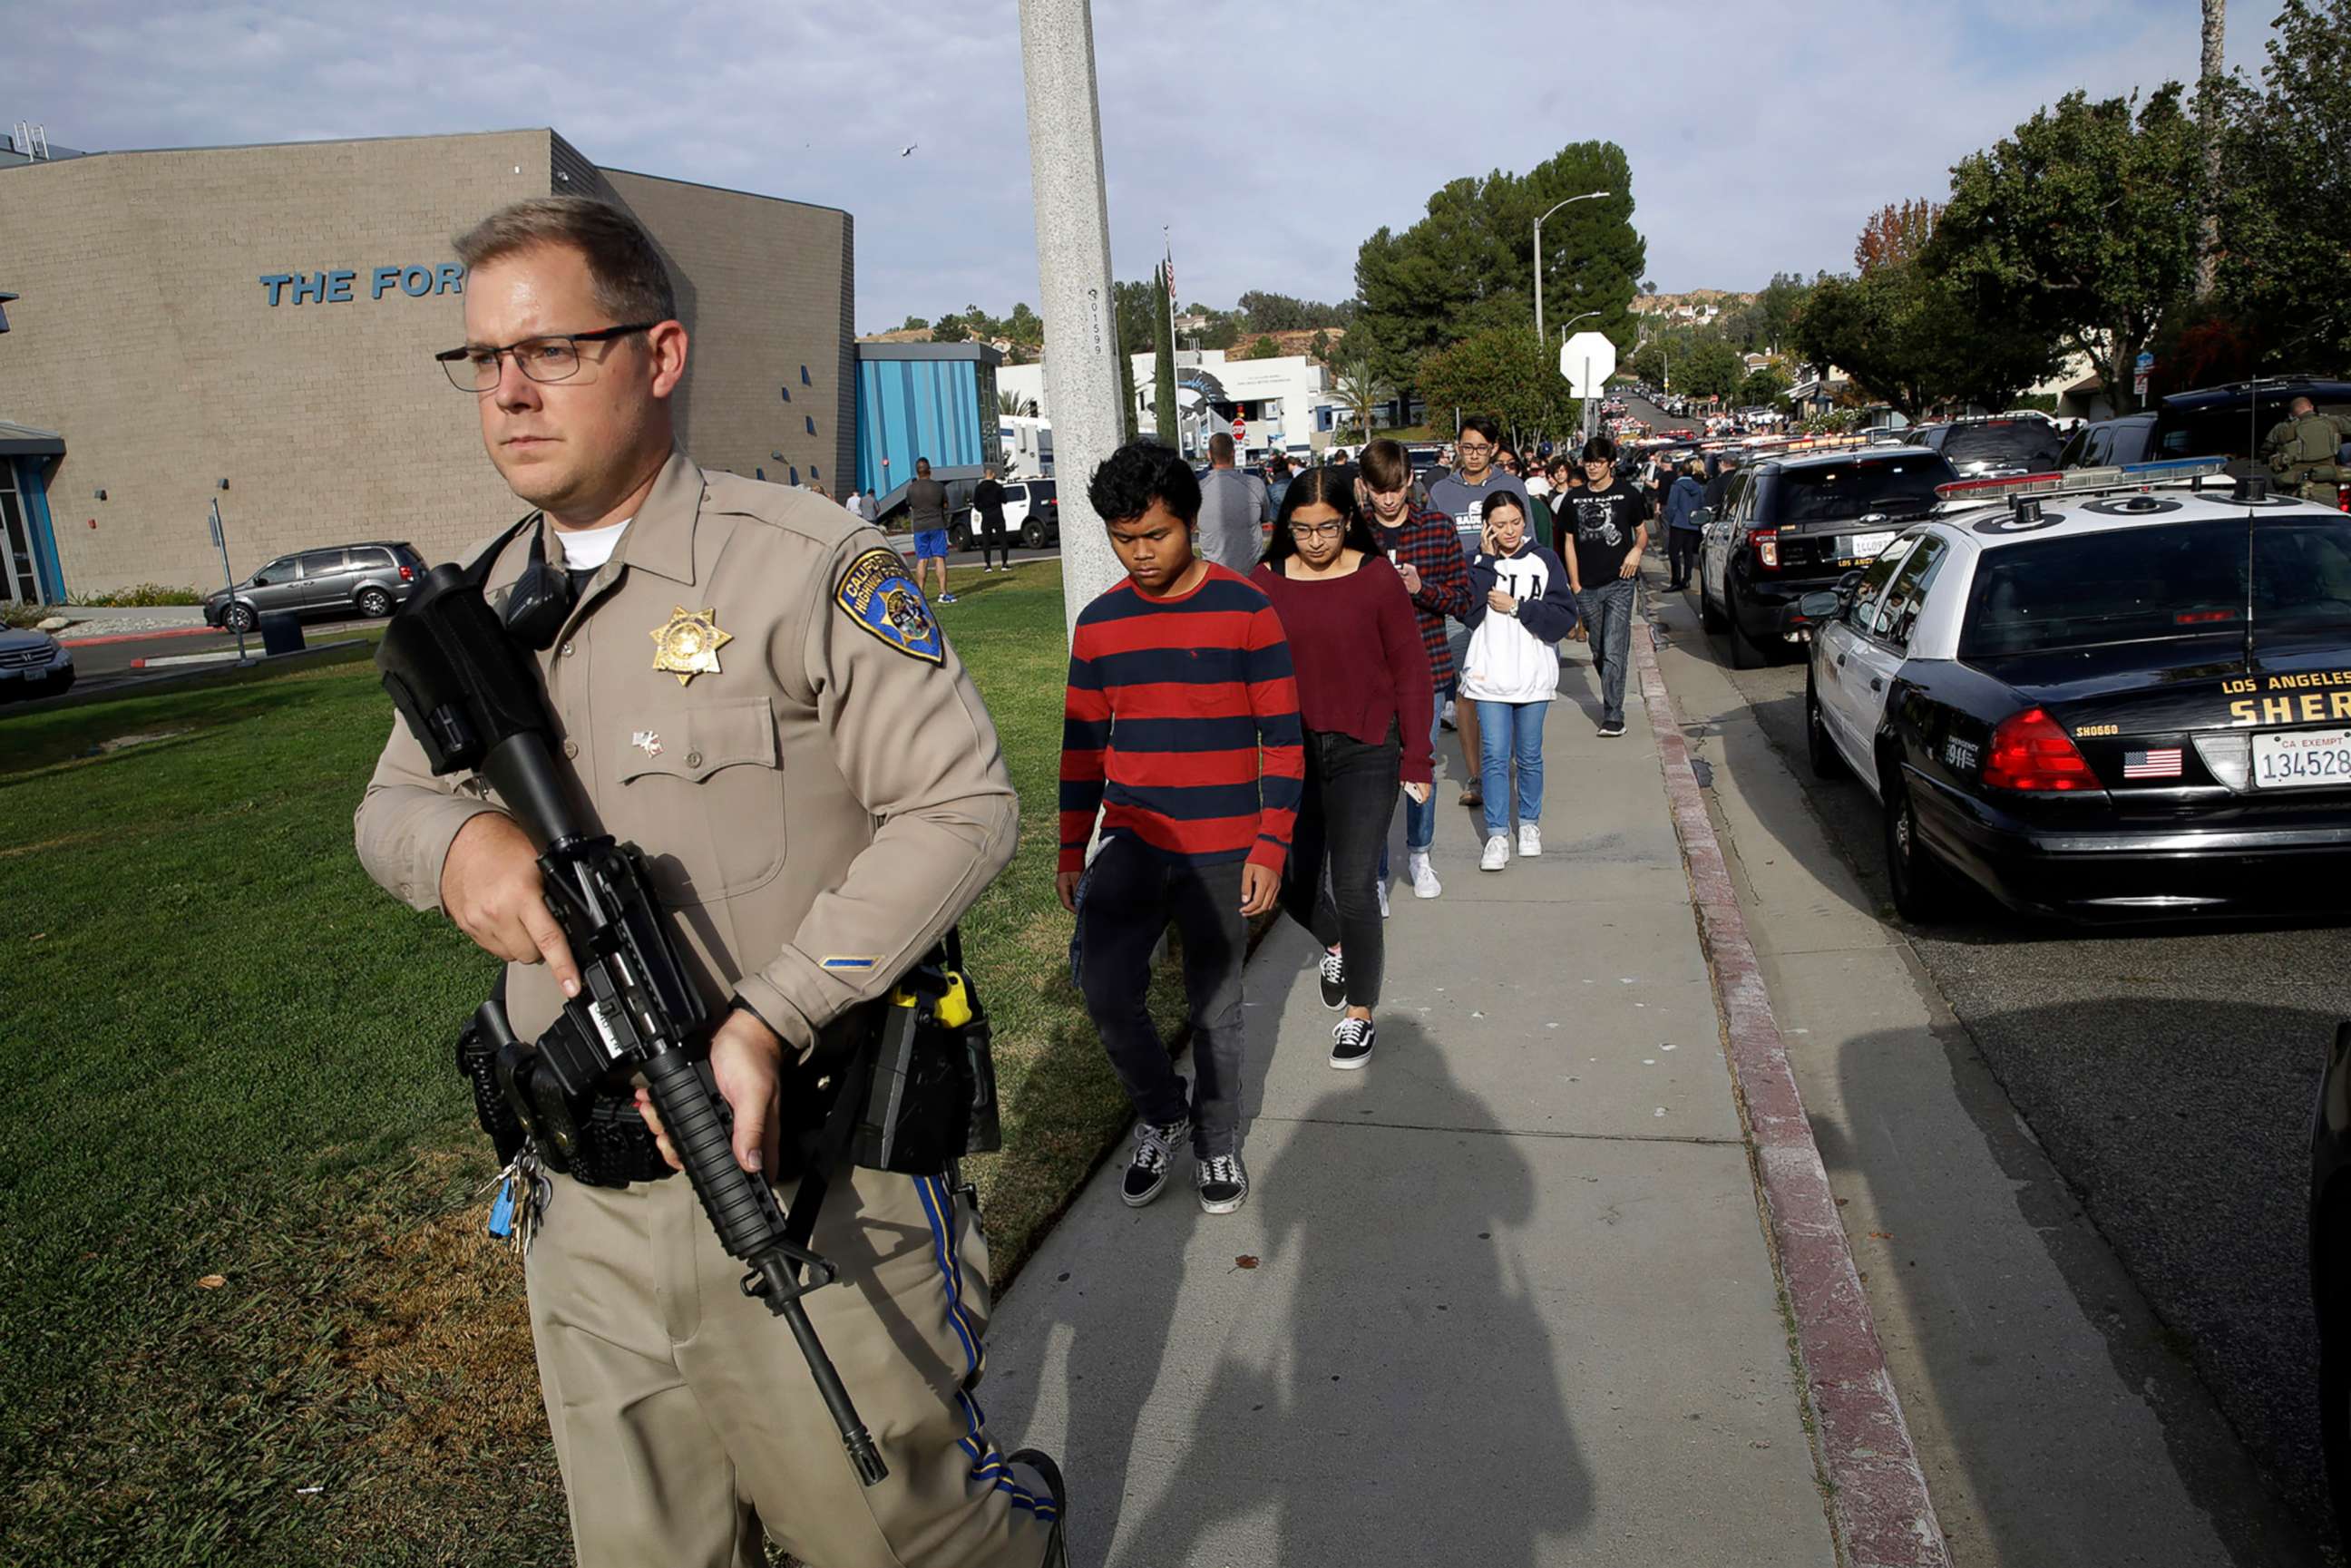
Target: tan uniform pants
685 1420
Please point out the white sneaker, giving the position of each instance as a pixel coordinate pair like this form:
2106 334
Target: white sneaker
1497 854
1382 887
1529 839
1423 875
1447 720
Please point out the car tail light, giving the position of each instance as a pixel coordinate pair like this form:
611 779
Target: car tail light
407 574
1765 544
2029 750
2343 498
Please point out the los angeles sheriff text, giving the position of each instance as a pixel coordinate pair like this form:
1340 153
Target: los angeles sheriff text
2304 706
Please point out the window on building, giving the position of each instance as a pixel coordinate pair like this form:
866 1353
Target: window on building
804 377
810 420
796 474
759 473
787 392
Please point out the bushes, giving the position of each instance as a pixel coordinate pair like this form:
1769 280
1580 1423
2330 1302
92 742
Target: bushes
139 597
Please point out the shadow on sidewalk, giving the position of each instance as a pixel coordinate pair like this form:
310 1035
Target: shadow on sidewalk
1407 1410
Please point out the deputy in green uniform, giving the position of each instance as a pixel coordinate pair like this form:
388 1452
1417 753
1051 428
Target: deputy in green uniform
2303 450
748 687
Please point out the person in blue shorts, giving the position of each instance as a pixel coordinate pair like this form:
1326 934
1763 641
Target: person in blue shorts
927 509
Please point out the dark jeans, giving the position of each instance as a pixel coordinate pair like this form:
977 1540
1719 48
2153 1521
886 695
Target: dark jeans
1608 611
1681 552
1124 902
993 542
1342 821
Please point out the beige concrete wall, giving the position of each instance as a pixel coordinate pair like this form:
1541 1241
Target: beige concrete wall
144 336
763 287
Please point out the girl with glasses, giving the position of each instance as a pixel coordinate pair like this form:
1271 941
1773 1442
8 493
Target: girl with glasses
1365 700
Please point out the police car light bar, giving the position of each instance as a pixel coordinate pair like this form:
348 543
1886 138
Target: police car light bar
2082 481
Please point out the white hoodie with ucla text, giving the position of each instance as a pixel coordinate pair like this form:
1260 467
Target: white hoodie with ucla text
1514 658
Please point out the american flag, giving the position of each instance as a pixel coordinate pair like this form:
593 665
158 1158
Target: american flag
2163 762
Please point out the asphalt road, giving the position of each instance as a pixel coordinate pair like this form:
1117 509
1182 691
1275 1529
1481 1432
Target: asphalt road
2169 1074
110 664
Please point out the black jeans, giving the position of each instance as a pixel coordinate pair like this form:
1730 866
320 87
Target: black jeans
1681 552
1342 822
993 542
1127 898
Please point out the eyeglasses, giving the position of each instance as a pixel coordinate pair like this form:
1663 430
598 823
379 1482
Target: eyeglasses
1329 530
1469 446
549 359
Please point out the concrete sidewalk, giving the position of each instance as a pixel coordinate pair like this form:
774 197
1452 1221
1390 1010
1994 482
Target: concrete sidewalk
1501 1298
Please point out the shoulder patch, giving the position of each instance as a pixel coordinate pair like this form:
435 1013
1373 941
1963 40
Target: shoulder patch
876 594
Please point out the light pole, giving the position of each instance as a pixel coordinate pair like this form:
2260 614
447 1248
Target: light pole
1587 196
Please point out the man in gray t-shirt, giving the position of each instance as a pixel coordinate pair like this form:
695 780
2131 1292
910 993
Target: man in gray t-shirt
1234 510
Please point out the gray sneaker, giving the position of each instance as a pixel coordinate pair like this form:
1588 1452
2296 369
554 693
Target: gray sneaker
1155 1151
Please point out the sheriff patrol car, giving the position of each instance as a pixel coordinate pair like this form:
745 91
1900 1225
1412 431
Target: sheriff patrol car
2102 695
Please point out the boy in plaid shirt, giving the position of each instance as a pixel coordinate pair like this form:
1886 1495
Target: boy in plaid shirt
1426 550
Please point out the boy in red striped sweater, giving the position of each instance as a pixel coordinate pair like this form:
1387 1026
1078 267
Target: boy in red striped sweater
1181 728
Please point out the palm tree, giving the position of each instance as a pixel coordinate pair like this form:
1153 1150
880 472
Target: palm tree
1012 405
2208 241
1360 390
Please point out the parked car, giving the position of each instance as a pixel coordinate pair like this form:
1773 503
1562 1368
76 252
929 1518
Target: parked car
372 580
2229 422
1994 446
2131 703
1789 525
32 665
2109 443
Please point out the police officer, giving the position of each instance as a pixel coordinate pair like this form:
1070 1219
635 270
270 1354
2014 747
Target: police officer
749 688
2303 451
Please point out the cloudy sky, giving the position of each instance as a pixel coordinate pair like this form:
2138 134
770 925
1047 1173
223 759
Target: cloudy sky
1270 138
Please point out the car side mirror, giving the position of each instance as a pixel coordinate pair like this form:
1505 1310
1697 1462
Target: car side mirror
260 580
1702 516
1849 584
1822 604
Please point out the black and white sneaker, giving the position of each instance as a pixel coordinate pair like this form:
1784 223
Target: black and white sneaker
1612 729
1223 1183
1351 1043
1155 1152
1334 979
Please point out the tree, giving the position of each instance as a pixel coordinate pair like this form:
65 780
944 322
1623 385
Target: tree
914 324
1762 387
1024 325
1502 372
1714 369
1263 349
1133 309
1265 312
1359 387
1894 234
1911 339
1163 381
2285 194
1467 265
1012 405
2083 224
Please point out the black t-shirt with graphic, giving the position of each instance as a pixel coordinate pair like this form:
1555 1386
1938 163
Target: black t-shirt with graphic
1605 521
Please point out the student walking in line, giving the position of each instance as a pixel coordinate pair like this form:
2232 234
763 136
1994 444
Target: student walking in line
1364 701
1521 606
1235 507
1420 543
1682 527
1461 495
1181 728
1612 524
987 521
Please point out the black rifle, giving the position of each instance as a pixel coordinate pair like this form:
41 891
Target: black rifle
472 699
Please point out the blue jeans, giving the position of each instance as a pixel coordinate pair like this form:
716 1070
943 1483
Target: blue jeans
1608 611
1420 821
1508 732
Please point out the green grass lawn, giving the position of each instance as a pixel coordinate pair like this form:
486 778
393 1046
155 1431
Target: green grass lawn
239 1176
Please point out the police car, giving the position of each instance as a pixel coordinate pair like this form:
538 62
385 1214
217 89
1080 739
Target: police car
2102 695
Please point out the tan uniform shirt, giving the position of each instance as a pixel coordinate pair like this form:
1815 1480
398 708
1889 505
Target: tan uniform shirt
818 809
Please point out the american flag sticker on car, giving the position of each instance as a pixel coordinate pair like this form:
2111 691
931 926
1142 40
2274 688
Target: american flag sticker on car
2163 762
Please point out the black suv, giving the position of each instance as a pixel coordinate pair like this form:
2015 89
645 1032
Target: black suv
370 580
1791 526
1995 446
2229 422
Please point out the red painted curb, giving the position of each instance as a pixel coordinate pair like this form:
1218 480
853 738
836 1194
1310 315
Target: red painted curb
1878 1505
137 636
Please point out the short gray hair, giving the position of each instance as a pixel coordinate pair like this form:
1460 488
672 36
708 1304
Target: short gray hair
631 283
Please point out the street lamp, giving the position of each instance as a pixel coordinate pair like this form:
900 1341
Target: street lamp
1571 321
1587 196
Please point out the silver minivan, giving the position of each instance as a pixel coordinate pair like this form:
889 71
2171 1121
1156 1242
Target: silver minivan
368 580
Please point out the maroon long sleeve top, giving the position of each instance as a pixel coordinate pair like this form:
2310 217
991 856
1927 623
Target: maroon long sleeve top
1357 648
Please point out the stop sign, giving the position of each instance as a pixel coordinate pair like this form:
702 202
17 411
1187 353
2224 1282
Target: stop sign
1240 427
